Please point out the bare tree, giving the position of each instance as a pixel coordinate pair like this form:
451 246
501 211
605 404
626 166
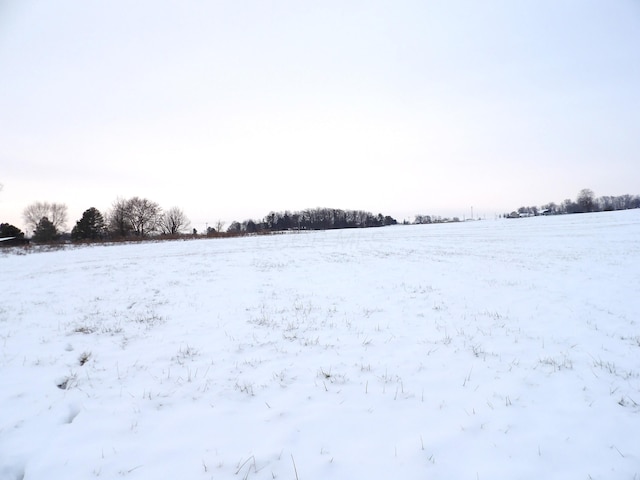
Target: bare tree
586 200
34 213
117 218
174 221
219 225
143 215
56 213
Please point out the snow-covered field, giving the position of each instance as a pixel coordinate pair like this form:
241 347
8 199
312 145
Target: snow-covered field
485 350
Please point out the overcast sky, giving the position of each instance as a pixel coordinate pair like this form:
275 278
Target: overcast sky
230 109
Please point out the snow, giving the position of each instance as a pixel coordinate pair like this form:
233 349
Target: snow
479 350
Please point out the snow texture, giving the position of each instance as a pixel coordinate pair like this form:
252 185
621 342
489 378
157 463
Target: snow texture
481 350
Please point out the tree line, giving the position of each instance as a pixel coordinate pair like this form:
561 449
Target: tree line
426 219
585 202
312 219
137 218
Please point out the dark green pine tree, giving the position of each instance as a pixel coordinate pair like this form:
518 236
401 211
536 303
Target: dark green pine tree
90 227
45 231
8 230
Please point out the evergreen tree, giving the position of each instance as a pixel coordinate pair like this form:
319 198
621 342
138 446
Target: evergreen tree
45 231
8 230
90 227
235 227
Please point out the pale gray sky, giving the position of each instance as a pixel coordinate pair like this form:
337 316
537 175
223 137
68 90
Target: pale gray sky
230 109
